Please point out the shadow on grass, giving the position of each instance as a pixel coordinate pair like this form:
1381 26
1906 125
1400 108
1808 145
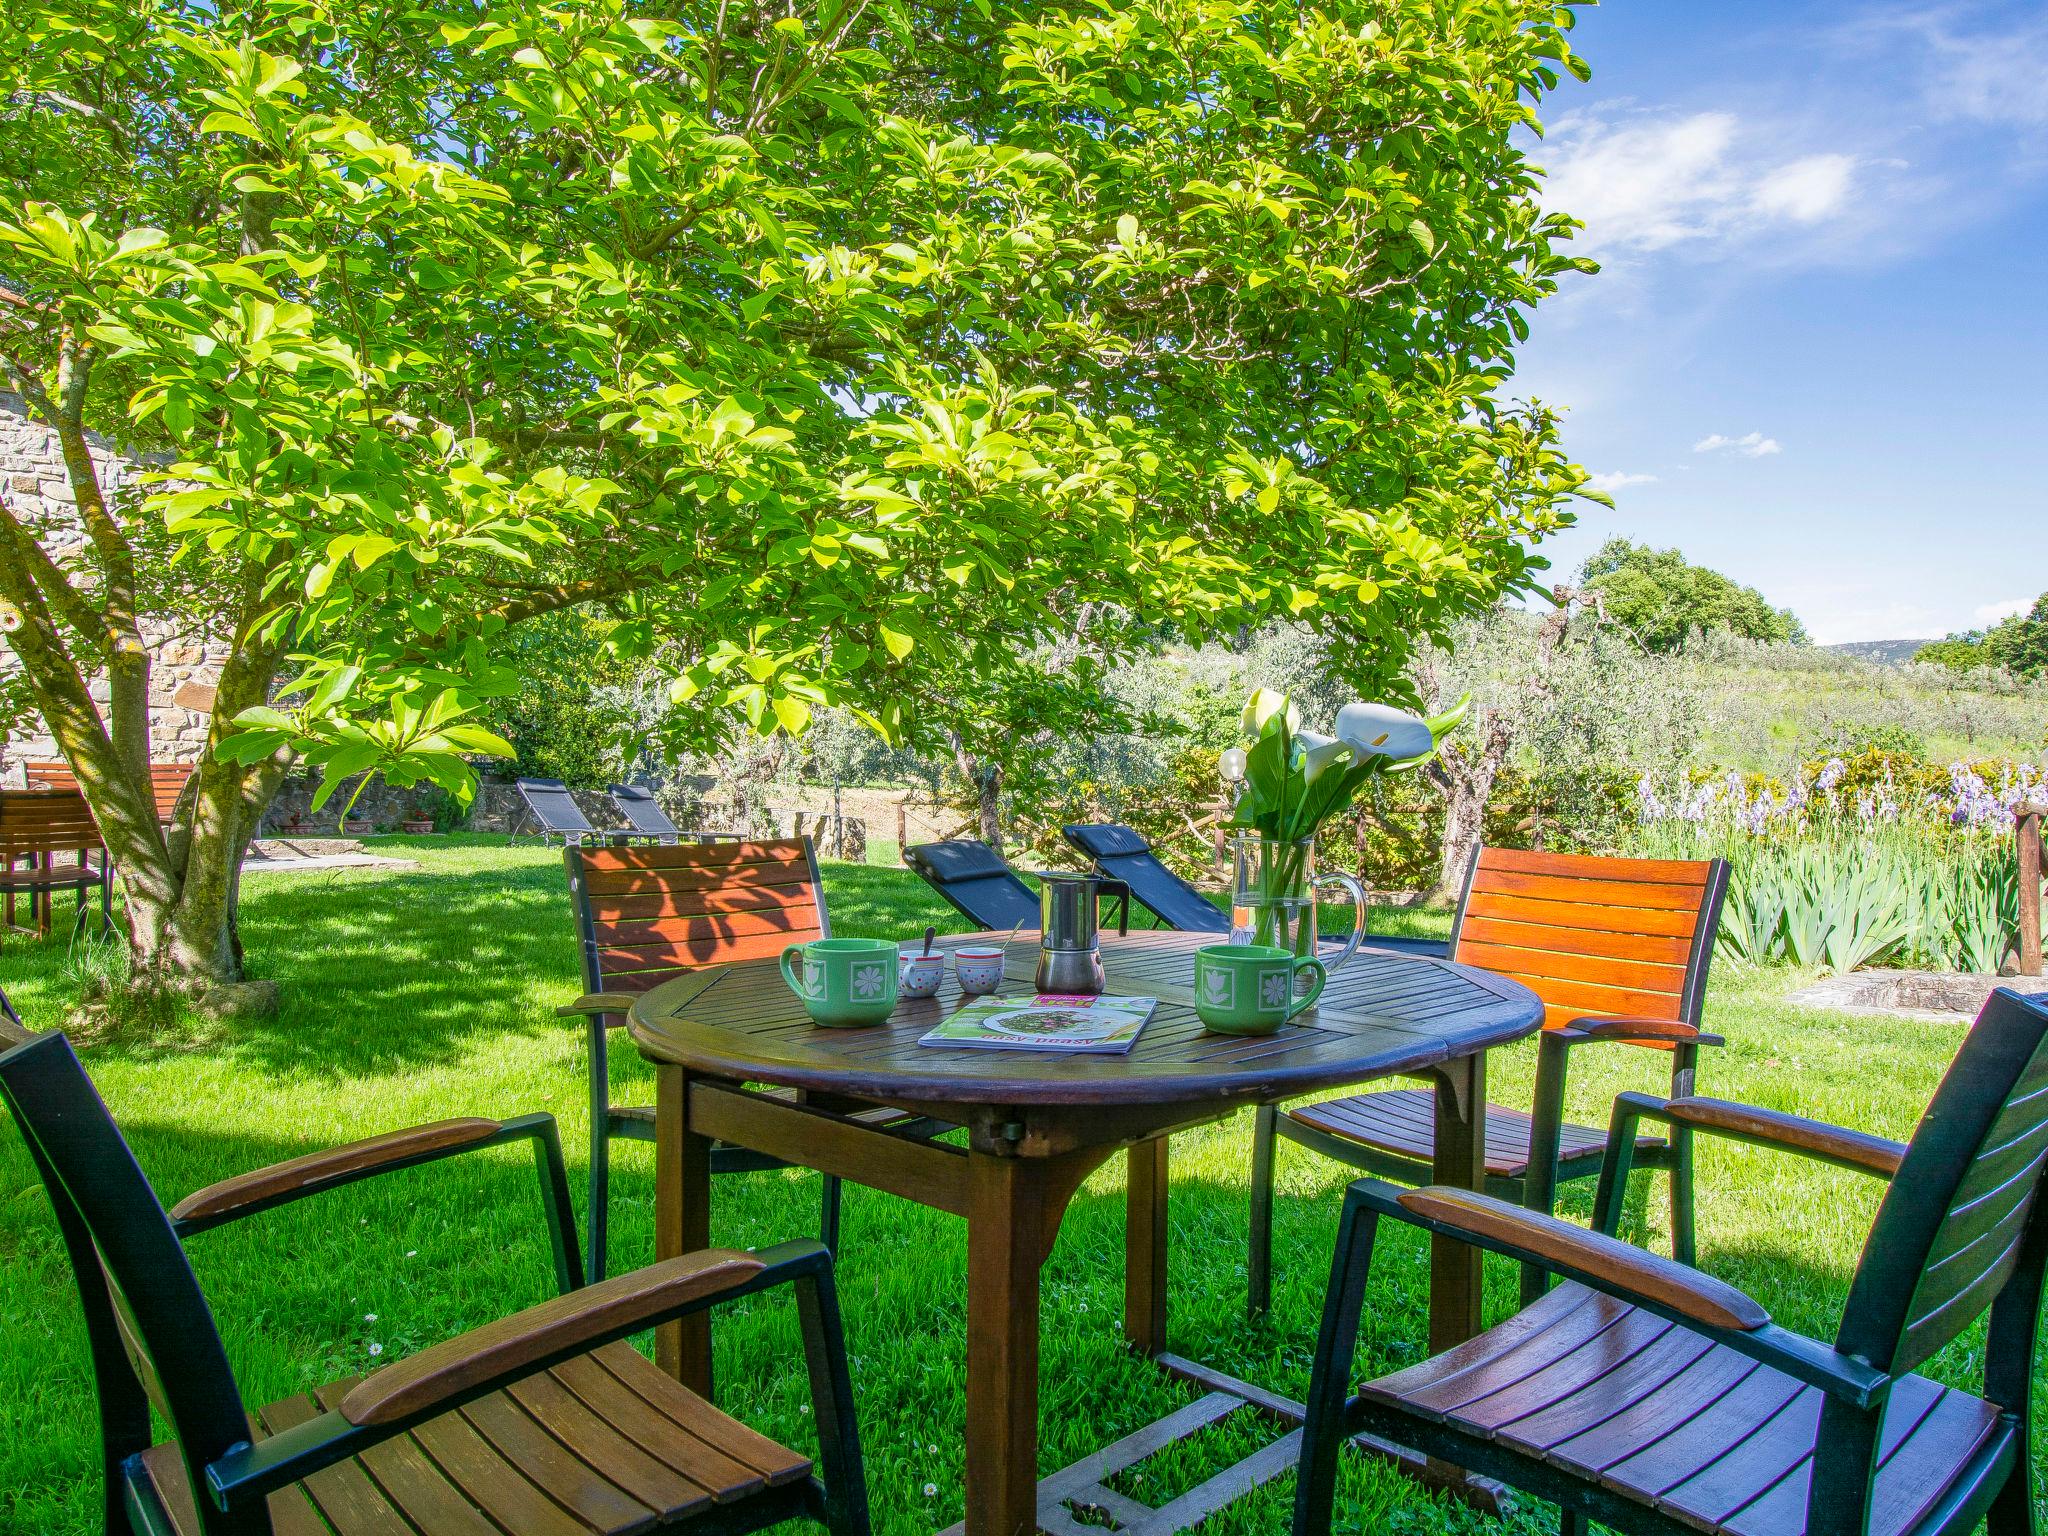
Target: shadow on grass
436 1250
407 969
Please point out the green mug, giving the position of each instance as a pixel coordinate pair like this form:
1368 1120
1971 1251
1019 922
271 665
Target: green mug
1248 989
843 982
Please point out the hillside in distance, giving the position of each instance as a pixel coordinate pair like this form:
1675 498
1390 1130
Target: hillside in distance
1889 653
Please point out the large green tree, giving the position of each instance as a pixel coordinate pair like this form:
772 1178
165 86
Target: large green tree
1660 597
2018 643
797 333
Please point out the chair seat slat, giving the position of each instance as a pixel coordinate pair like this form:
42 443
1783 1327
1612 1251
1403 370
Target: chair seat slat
619 960
1564 966
1648 948
1661 922
694 856
797 917
1624 894
1593 866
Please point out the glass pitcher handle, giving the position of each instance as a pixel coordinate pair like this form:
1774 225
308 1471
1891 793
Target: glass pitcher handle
1356 892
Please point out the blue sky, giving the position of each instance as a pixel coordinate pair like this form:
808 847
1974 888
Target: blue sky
1817 355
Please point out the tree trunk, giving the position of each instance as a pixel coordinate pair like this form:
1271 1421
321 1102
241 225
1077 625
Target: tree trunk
1466 779
986 780
1464 828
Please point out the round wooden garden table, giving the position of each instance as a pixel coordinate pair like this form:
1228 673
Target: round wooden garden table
1037 1125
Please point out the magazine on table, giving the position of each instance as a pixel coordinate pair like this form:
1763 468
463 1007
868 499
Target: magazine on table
1073 1025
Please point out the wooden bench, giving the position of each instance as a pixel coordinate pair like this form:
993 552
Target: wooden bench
38 827
167 780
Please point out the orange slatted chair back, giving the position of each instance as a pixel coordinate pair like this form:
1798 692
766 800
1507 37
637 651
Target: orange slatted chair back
42 821
167 780
1594 937
650 913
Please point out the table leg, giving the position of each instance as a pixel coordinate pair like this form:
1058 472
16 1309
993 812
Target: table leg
1455 1268
1005 1220
682 1222
1145 1247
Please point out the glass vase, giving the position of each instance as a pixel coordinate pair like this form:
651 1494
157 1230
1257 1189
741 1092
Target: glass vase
1273 897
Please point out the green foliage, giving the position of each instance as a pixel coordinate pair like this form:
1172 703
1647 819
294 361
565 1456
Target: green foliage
2019 644
1894 899
561 724
1879 771
1661 598
1774 705
1891 742
809 345
1959 653
1294 780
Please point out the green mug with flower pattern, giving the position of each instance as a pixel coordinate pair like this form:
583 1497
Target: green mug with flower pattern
1248 989
843 982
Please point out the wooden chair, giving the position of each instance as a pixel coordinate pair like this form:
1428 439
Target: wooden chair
39 829
167 781
648 914
543 1421
1651 1398
1618 950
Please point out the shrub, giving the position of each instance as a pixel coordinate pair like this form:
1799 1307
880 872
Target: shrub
564 723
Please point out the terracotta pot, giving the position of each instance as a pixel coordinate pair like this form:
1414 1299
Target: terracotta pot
420 827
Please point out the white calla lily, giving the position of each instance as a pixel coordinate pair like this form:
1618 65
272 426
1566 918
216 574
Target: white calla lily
1324 755
1380 730
1265 704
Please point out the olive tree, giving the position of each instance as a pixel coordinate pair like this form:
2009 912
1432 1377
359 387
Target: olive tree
809 338
1570 697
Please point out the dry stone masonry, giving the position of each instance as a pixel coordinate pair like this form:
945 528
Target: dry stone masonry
36 490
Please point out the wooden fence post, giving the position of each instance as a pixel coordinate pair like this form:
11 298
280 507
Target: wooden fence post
2028 830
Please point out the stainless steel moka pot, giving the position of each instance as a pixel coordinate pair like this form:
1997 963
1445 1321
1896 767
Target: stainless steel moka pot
1069 946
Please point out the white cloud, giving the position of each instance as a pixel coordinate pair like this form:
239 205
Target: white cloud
1618 480
1647 185
1985 76
1806 191
1644 182
1991 613
1751 445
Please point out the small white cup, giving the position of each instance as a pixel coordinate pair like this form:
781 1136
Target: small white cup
918 974
980 969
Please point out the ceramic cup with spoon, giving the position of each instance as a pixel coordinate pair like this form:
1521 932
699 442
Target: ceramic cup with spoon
919 971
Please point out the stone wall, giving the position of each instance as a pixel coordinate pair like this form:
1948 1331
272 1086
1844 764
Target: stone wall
37 491
381 808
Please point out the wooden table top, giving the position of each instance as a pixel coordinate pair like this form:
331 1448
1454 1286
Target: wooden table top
1383 1013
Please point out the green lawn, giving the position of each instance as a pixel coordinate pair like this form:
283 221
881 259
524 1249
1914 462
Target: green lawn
420 994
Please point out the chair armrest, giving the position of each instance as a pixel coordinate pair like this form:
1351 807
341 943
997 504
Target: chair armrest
317 1172
1606 1264
264 1187
1878 1155
553 1330
595 1002
1635 1031
446 1376
1559 1245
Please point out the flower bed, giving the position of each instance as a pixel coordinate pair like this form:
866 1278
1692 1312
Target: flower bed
1856 861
